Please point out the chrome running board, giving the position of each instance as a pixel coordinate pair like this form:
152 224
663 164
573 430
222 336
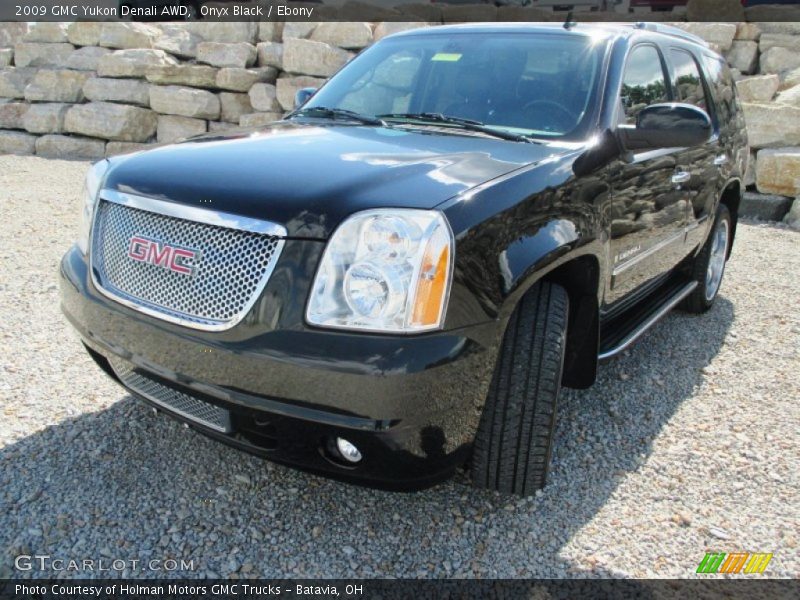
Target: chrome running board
654 317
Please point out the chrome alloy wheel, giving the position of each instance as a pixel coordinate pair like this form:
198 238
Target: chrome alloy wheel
716 261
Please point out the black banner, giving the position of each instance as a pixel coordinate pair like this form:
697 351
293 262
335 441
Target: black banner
447 11
85 589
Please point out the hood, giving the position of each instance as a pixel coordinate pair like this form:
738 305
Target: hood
310 177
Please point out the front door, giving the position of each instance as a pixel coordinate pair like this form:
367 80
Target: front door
705 163
649 208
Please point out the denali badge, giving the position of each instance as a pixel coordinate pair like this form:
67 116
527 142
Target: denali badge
626 253
162 255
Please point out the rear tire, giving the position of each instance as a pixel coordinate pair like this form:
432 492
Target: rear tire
514 441
709 265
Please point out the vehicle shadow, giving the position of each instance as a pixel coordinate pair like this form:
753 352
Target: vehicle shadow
122 484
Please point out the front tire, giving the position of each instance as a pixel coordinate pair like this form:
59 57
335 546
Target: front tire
514 441
709 266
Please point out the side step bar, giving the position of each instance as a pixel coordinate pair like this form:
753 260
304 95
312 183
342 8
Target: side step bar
654 317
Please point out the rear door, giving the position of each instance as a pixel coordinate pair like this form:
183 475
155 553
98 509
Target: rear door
648 209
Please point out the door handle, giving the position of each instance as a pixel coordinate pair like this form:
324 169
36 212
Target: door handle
681 177
720 159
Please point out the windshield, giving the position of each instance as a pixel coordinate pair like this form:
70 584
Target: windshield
541 85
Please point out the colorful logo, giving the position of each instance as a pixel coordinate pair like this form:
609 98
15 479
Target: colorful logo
161 254
734 562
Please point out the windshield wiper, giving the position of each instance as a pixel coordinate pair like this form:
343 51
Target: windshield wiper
333 113
468 124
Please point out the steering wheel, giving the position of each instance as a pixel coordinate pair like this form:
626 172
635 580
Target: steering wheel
562 121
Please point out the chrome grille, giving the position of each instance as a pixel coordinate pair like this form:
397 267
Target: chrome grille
231 269
185 405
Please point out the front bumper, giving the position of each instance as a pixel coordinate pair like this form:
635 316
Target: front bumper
411 404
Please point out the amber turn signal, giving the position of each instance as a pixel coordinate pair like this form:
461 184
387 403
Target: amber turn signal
432 284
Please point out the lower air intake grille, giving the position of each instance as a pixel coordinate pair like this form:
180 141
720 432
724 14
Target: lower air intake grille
185 405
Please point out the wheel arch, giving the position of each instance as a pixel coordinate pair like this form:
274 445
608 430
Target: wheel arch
580 276
731 197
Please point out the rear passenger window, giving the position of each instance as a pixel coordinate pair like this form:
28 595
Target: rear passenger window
722 89
688 83
643 84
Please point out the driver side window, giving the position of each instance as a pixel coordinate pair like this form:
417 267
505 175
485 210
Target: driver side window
386 88
643 83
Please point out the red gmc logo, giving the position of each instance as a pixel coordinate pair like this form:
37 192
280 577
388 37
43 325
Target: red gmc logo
162 255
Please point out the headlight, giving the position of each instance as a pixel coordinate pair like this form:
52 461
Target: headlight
385 270
91 186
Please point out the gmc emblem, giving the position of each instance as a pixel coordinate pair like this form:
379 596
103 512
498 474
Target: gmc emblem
163 255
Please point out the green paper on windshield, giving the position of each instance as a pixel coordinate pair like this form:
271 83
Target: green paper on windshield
446 57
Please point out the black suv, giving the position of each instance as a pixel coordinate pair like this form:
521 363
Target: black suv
400 275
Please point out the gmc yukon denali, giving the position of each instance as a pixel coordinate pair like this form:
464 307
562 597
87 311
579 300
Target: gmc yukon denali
397 278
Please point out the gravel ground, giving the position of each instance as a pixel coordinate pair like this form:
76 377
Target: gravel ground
688 442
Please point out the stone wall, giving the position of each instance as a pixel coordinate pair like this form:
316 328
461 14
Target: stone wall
88 90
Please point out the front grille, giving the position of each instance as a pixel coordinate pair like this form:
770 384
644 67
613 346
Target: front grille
185 405
229 271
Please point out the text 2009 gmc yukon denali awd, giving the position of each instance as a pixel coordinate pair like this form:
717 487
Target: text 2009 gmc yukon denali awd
400 275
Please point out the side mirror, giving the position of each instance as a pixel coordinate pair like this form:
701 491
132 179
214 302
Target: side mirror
672 125
302 95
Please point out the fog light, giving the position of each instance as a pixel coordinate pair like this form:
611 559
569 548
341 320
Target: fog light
348 451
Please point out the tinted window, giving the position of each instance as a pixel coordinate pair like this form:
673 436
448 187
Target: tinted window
644 82
541 85
688 82
722 88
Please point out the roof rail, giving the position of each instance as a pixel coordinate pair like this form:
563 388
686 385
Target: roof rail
671 30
